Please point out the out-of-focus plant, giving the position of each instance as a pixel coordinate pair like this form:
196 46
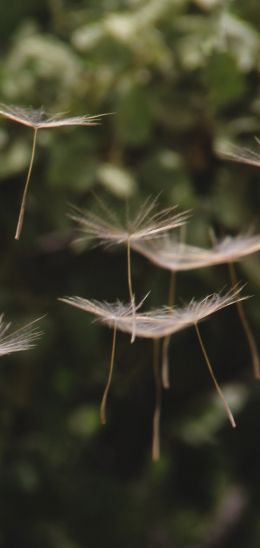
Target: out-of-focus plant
182 78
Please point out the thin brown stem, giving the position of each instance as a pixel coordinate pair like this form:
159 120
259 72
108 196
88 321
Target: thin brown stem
109 380
183 231
172 289
246 326
213 377
130 286
166 340
157 407
165 363
22 207
129 271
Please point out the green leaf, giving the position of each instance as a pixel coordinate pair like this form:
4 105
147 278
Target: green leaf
134 116
224 80
117 180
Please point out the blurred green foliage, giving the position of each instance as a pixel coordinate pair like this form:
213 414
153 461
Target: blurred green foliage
181 79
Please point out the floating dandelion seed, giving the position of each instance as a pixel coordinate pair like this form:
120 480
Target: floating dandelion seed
156 325
172 255
166 253
39 119
111 312
22 339
147 224
36 120
148 234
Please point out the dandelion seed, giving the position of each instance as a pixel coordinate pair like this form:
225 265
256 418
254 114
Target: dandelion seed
36 120
40 119
157 323
160 323
177 256
147 224
22 339
110 312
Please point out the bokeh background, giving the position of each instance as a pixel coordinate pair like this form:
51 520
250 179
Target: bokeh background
182 79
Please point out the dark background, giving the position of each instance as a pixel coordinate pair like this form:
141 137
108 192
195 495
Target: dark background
182 79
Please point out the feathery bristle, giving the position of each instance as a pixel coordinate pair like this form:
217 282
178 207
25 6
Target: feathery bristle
22 339
40 119
176 256
241 155
156 323
147 224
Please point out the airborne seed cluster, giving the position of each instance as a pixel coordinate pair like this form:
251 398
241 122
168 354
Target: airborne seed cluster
151 233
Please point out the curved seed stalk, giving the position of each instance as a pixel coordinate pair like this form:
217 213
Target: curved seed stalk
166 340
109 380
215 382
129 271
130 286
165 363
246 327
157 407
22 207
